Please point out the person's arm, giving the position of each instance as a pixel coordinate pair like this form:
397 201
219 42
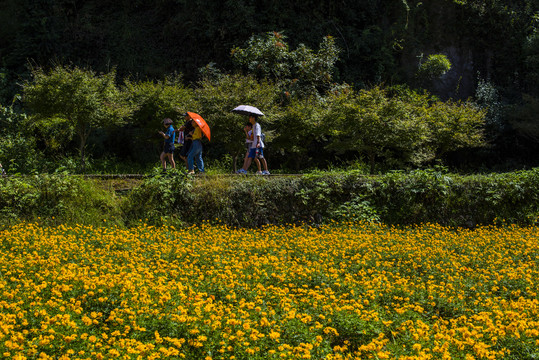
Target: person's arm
166 135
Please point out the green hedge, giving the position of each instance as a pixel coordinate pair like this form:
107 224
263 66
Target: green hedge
400 198
56 199
395 198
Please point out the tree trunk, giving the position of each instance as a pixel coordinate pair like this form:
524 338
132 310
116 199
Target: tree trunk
82 154
235 161
83 136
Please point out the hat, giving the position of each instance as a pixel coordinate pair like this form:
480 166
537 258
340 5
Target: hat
167 121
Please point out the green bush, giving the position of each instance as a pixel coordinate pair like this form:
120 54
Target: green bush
160 198
395 198
398 198
56 199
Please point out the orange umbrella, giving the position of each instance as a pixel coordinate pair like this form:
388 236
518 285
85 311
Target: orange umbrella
201 124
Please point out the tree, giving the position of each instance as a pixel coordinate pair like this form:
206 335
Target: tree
76 99
375 125
301 71
401 126
299 129
455 125
434 67
18 151
524 119
155 100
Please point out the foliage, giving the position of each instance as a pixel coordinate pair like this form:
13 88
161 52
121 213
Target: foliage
326 46
152 102
394 126
299 132
455 125
401 125
18 151
4 86
357 208
435 66
531 61
373 124
160 197
524 119
297 72
488 98
11 120
398 197
56 199
76 98
157 100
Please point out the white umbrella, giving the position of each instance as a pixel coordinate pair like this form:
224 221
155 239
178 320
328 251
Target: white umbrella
247 110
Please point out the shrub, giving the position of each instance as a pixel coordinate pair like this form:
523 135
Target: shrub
398 198
56 199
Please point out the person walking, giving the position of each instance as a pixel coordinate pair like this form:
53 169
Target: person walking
187 129
195 152
256 150
168 145
248 129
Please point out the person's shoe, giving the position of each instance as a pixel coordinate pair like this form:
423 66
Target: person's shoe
259 172
265 172
241 172
192 172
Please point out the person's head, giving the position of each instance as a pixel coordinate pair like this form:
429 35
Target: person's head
249 125
252 119
167 122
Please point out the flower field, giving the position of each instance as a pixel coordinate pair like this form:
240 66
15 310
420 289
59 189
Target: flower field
339 291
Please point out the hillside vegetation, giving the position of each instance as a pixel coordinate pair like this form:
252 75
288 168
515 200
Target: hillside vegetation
160 59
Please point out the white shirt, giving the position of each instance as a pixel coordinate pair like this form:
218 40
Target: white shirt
257 131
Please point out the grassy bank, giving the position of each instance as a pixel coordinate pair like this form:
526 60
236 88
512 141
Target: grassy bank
394 198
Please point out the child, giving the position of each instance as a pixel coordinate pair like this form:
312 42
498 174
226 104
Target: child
187 129
168 145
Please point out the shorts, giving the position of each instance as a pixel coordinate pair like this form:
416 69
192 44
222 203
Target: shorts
185 148
168 148
252 153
